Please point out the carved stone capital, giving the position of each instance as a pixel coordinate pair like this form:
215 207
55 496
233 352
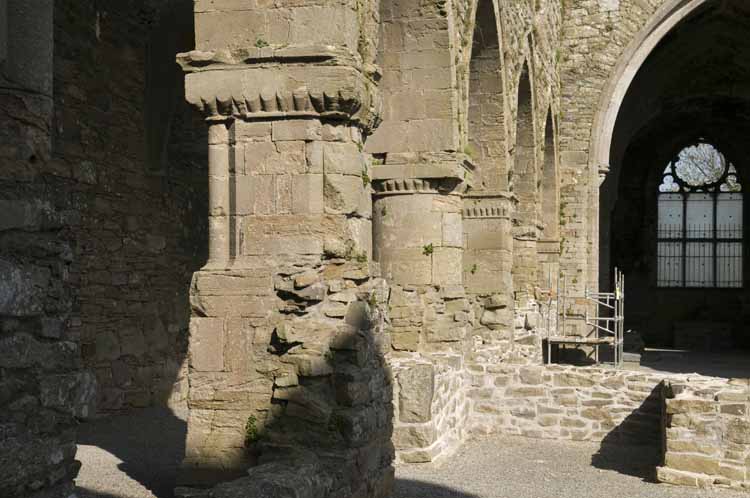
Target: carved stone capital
282 83
489 205
441 172
525 232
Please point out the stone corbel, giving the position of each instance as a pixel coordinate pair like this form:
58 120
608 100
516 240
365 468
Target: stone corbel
408 173
282 83
603 171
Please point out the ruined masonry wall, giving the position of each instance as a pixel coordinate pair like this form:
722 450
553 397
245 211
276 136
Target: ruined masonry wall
594 35
95 253
288 334
138 232
707 433
565 402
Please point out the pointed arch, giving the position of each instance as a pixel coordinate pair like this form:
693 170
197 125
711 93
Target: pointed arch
523 184
486 126
524 175
418 83
550 187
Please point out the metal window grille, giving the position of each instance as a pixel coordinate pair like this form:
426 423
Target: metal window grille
700 236
700 255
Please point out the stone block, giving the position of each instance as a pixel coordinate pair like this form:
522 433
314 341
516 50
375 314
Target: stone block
405 340
314 157
416 388
690 405
132 342
453 235
297 129
307 194
72 393
531 375
107 346
283 194
343 158
734 409
342 193
22 289
206 350
526 392
239 351
406 266
566 379
17 214
251 129
445 332
255 195
414 436
670 476
738 431
699 464
447 266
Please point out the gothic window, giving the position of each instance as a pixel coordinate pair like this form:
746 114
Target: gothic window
700 234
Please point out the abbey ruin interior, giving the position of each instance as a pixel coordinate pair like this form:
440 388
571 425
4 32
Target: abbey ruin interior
346 235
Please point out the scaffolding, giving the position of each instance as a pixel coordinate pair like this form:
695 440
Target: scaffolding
607 326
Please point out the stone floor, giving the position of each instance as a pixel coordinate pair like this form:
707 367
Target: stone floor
136 456
512 467
726 365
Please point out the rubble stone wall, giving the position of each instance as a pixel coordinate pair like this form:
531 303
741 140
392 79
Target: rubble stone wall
565 402
707 433
96 249
138 226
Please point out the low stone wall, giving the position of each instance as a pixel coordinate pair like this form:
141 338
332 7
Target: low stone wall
566 402
707 433
430 406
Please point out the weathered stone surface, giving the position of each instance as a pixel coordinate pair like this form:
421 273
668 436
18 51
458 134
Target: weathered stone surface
416 385
207 344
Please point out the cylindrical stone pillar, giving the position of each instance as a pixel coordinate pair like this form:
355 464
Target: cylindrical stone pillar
418 232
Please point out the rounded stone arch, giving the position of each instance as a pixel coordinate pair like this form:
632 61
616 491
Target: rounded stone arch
659 25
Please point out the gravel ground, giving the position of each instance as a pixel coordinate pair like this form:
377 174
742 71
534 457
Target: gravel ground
509 467
136 456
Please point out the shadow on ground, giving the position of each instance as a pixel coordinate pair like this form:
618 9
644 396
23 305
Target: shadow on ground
149 442
408 488
634 447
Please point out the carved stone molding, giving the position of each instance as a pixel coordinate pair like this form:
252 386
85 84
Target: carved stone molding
525 232
438 172
272 91
396 186
489 205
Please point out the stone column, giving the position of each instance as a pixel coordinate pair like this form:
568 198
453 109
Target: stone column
417 220
488 260
286 334
419 243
